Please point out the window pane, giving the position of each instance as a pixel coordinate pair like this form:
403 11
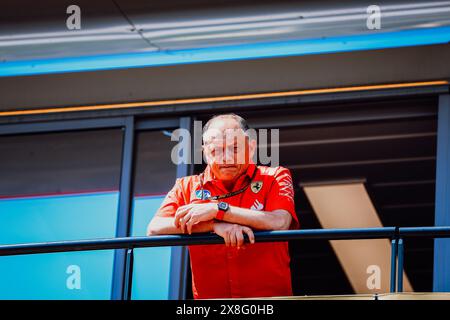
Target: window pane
154 176
151 265
59 186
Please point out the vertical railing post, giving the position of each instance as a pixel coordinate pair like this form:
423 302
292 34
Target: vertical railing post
400 253
123 217
394 247
128 281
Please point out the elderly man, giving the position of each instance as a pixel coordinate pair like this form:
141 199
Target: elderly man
232 197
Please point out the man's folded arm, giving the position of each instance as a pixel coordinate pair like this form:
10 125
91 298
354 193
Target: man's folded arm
165 225
164 220
279 219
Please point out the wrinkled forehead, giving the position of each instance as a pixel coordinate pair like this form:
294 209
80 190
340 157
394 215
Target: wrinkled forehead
223 131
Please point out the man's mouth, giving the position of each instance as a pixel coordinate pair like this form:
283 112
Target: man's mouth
228 167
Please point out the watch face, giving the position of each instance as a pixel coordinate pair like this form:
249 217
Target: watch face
223 205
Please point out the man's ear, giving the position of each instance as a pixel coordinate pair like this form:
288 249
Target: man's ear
206 156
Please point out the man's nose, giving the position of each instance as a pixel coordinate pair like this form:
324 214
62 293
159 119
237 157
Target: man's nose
229 156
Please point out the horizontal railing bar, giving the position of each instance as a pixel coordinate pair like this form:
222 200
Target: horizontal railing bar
426 232
326 234
210 238
196 239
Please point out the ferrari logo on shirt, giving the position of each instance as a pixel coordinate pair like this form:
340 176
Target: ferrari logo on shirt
256 186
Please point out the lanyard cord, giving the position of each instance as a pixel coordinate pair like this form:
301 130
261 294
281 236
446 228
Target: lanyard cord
230 194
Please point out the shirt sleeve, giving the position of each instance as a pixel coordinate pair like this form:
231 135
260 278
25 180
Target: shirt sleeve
172 201
281 195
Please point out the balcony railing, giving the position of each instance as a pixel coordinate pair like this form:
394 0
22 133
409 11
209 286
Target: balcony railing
395 234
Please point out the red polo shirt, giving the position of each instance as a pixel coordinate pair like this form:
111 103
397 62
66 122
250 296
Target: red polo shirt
256 270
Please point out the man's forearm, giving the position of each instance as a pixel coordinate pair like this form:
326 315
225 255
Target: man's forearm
261 220
166 225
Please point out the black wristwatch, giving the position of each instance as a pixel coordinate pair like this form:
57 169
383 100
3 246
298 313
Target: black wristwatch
222 208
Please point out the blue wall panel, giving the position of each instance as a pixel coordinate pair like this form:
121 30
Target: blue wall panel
441 274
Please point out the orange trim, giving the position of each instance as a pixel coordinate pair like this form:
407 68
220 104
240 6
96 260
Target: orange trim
222 98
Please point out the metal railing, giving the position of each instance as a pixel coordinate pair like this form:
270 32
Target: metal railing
395 234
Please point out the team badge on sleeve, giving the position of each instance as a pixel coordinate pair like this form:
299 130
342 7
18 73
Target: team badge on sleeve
202 194
258 206
286 187
256 186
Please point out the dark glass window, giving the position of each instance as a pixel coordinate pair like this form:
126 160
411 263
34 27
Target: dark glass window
59 186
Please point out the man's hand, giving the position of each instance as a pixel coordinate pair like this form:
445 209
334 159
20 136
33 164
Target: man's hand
233 234
191 214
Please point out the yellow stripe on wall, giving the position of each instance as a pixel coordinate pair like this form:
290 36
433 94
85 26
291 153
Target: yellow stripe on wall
221 98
